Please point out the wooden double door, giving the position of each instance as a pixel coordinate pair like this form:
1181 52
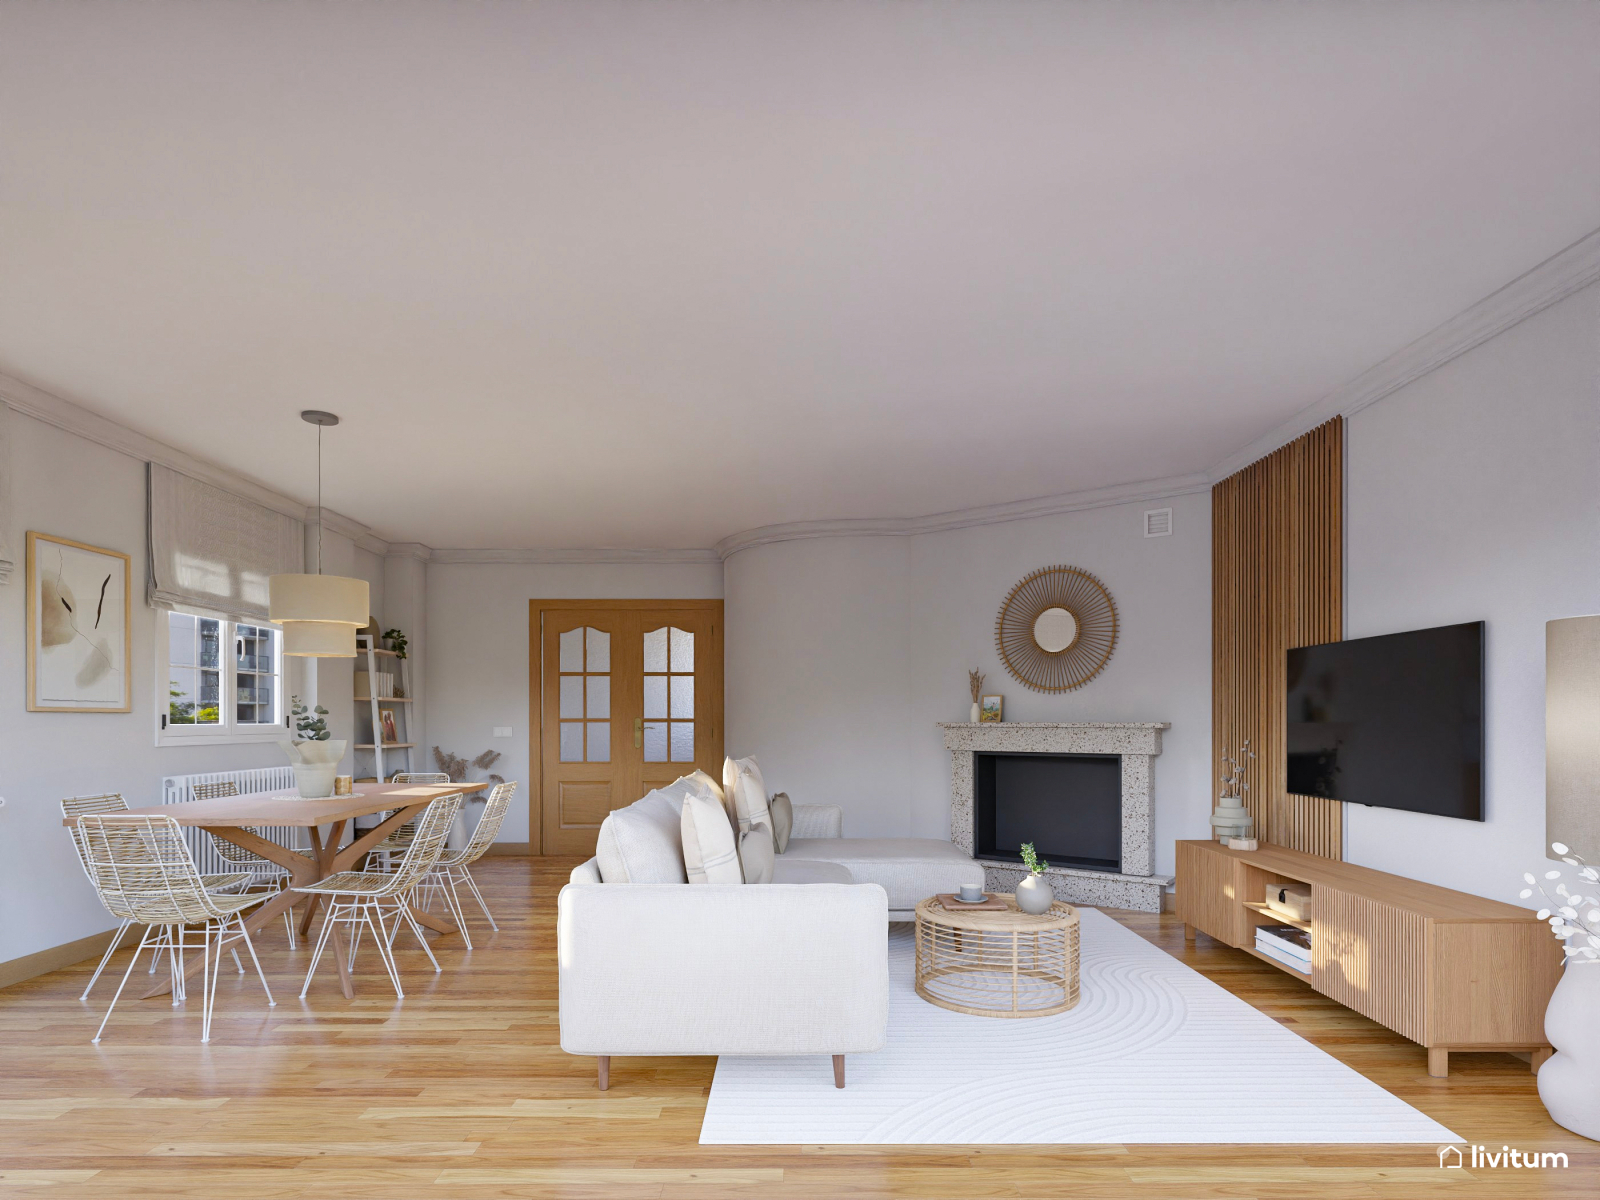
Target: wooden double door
626 696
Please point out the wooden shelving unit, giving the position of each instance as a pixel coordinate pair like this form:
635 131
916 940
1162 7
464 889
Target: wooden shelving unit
385 757
1451 971
1278 918
1282 966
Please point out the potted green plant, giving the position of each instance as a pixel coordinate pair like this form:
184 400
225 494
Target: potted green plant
1033 893
313 752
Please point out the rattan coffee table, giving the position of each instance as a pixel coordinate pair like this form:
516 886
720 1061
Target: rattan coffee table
998 964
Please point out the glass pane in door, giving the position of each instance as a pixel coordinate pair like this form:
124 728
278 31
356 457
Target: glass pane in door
585 695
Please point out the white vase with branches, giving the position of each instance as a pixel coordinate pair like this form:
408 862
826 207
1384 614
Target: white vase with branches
1231 818
1569 1080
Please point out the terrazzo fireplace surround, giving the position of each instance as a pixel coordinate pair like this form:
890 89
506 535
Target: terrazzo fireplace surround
1135 886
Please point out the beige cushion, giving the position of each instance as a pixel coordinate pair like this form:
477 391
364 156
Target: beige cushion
756 854
746 793
642 843
709 852
782 819
698 781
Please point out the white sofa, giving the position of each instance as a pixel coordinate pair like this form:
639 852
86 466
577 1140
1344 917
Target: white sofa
651 965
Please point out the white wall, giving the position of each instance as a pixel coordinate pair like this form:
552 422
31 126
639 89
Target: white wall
843 653
477 650
1473 495
817 673
73 488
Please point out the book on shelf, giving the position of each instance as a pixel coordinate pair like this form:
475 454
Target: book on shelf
1276 952
1285 938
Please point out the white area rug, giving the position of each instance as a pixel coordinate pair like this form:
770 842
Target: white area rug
1153 1053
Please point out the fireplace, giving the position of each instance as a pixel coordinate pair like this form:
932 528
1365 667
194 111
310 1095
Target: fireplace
1068 805
1081 792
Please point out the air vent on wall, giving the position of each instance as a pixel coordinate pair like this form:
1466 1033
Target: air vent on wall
1157 522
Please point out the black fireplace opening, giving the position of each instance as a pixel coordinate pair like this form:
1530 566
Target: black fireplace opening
1068 805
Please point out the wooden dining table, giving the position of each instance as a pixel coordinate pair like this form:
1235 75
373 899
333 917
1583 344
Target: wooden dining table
232 818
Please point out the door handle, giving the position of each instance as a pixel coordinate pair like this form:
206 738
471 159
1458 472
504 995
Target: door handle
638 732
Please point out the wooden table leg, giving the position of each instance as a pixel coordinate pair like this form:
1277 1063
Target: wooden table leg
343 959
430 921
326 853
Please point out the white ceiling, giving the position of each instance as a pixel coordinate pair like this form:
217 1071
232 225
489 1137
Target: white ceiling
645 274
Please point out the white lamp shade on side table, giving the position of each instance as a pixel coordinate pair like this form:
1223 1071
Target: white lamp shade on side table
319 613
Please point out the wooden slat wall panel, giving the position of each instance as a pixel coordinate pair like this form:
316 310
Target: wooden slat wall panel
1277 582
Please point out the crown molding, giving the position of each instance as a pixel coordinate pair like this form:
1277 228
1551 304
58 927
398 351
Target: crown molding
966 518
1557 277
349 527
414 550
603 554
75 419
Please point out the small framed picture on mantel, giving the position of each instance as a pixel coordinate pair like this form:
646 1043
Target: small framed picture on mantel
989 713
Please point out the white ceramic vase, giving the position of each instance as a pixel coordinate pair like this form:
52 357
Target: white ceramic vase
1569 1080
1232 819
974 712
315 765
1034 895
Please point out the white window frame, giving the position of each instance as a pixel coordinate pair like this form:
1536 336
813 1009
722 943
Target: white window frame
229 732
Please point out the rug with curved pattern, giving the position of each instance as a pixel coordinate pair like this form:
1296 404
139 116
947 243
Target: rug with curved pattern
1153 1053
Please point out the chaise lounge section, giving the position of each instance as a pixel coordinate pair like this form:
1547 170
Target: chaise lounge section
650 965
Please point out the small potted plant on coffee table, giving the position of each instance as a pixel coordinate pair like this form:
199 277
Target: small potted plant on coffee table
1033 893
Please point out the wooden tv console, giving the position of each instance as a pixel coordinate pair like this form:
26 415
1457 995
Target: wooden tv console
1445 969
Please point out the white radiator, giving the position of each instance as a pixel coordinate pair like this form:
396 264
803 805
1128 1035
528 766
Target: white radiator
177 789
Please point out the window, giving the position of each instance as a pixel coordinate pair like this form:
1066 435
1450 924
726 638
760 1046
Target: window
224 679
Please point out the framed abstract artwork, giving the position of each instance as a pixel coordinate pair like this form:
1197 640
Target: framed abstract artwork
80 620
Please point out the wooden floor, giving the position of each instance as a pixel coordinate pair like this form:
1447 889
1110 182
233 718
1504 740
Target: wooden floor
462 1091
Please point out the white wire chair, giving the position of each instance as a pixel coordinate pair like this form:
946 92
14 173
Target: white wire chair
255 868
452 869
74 807
144 874
359 898
397 841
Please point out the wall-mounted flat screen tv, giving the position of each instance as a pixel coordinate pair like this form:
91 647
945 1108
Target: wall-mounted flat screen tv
1392 722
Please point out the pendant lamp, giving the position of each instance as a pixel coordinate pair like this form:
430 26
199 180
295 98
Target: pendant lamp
319 613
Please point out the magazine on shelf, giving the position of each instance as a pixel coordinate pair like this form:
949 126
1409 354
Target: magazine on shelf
1286 938
1273 951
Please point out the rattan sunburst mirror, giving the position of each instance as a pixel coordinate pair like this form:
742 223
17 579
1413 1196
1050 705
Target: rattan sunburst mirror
1056 629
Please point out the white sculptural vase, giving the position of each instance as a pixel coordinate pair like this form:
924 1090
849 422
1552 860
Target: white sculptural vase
1232 819
1569 1080
315 765
1034 895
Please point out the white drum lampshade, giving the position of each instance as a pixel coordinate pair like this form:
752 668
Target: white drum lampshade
319 613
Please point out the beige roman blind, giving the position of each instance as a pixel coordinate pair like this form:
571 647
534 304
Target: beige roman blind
213 550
